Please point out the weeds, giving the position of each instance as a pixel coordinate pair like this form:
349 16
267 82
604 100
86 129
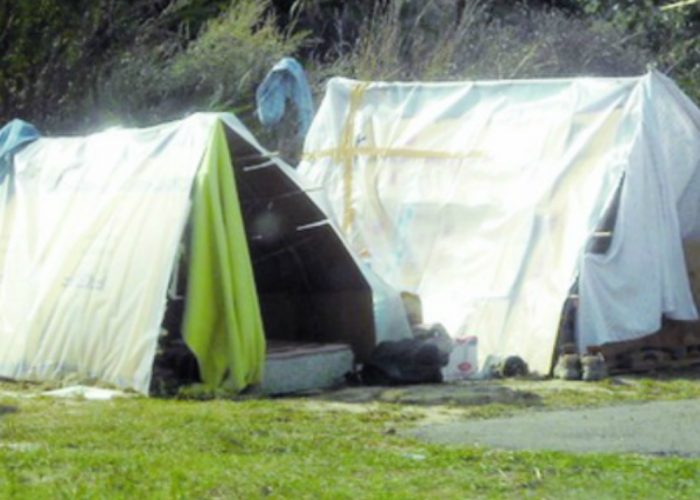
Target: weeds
430 43
218 70
141 62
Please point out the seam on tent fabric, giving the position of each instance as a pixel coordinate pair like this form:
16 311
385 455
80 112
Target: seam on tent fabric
344 82
337 154
346 152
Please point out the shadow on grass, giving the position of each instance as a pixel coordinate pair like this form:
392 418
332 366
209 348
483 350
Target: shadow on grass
460 394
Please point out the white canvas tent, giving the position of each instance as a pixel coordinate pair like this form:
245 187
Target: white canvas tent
89 234
481 197
90 228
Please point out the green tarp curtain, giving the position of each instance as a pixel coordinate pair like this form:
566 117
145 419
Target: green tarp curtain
222 323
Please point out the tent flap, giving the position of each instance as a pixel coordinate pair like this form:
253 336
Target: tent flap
624 293
222 323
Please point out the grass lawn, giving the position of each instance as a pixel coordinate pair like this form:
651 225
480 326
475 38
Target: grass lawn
296 448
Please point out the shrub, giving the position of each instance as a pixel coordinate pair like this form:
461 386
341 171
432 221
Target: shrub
70 66
431 41
218 70
670 34
50 50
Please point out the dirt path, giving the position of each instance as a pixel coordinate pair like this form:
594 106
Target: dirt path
660 428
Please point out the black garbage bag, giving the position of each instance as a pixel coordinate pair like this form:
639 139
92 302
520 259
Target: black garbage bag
409 361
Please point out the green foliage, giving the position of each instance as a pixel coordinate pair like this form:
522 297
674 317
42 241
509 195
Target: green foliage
442 40
234 52
218 69
431 41
671 35
71 65
53 51
39 42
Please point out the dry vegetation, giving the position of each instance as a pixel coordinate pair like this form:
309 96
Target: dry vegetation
71 67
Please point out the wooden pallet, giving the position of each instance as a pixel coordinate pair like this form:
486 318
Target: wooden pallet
676 345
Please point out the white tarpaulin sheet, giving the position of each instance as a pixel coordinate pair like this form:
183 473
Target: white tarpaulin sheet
643 275
89 228
480 197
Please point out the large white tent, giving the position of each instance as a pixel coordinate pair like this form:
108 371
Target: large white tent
91 231
481 197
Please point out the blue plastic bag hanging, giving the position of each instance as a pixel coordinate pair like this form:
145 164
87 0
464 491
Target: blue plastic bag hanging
286 81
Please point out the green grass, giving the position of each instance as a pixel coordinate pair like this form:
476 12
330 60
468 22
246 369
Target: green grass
296 448
663 386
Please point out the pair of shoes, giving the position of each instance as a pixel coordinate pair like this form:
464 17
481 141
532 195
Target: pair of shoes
568 367
594 367
589 367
